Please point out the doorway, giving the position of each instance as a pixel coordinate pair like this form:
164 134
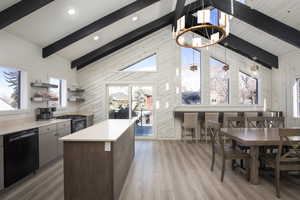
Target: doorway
129 101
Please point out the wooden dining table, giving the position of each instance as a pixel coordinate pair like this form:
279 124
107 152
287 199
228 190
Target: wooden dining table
254 138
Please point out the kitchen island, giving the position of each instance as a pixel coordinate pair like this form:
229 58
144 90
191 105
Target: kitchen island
97 160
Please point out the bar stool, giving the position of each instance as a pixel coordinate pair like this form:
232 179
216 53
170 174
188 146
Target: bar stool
190 123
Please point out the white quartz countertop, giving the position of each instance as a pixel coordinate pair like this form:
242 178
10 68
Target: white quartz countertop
105 131
21 126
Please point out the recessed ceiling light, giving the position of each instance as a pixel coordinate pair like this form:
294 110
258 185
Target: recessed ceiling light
96 37
135 18
71 11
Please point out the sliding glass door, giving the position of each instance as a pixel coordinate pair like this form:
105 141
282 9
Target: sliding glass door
142 108
138 99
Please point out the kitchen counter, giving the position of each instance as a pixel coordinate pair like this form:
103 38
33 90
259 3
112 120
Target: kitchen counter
19 126
97 160
106 131
75 113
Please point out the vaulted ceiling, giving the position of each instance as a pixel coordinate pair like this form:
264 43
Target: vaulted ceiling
51 23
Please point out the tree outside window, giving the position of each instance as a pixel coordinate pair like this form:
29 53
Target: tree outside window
248 89
10 94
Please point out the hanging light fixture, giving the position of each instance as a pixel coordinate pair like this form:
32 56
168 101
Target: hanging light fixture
210 23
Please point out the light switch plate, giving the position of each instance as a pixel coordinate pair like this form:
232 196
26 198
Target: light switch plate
107 146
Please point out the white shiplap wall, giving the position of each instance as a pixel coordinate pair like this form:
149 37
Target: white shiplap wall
94 78
283 80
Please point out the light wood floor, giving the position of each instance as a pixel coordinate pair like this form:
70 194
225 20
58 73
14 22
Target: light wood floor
161 171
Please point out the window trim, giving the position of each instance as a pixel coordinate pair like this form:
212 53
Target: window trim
121 70
257 87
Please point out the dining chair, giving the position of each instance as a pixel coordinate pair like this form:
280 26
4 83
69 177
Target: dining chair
287 159
190 126
256 122
226 152
209 116
235 122
275 122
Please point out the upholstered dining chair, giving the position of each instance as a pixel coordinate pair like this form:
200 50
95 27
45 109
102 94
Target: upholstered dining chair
190 126
288 159
218 146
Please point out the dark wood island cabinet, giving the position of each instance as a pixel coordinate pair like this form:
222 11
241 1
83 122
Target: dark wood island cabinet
97 160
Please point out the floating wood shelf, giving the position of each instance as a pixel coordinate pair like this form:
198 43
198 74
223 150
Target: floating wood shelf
79 90
79 100
43 85
43 99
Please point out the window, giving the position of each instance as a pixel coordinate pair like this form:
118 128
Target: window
219 82
190 76
248 89
148 65
296 98
10 89
58 95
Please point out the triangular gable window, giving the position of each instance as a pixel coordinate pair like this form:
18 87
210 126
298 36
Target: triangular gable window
146 65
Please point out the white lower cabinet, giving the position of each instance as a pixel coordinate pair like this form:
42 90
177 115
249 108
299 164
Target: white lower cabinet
1 164
50 147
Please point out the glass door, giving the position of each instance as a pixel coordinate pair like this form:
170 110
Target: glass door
118 100
135 98
142 109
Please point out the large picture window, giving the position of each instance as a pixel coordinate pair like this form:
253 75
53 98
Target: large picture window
10 89
296 98
190 76
248 89
219 82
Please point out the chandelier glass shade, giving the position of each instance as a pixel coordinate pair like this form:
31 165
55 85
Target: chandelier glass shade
207 27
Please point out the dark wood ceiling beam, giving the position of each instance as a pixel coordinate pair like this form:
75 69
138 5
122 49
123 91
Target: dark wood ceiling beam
20 10
260 21
123 41
131 37
96 26
179 10
244 48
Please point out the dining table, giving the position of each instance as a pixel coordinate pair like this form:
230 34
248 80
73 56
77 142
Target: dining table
254 138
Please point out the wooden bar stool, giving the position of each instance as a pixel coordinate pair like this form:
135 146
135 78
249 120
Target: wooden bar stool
190 123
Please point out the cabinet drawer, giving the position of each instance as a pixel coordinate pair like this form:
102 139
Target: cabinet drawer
64 125
1 141
47 129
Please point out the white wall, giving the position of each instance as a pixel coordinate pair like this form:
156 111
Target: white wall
18 53
95 77
283 80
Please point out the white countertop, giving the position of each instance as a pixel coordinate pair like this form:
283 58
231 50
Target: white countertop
21 126
106 131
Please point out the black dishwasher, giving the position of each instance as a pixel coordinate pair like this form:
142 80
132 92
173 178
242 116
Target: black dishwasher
21 155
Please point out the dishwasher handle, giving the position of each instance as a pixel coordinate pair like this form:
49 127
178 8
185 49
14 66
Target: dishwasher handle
20 137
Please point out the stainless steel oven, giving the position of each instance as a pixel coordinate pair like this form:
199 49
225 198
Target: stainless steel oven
78 122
